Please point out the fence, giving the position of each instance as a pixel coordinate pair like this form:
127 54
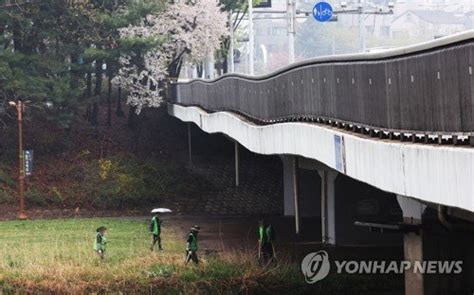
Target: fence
424 89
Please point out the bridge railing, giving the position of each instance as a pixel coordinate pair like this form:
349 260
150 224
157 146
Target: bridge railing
419 89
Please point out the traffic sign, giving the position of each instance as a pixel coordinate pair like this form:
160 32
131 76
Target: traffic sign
322 11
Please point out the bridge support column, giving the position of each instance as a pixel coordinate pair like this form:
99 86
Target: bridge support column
413 244
236 153
328 206
290 189
190 147
295 194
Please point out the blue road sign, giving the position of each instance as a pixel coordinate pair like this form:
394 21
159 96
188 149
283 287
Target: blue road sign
28 158
322 11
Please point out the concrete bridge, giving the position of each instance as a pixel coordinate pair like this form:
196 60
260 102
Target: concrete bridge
400 122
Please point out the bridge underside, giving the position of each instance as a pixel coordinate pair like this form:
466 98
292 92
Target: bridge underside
341 178
430 173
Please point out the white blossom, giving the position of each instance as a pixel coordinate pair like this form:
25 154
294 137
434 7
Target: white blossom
185 30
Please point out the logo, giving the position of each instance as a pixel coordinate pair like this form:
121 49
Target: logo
322 11
315 266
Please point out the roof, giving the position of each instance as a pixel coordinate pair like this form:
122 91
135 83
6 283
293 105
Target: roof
435 17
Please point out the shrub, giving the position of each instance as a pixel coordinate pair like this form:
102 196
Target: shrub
55 196
5 176
5 197
34 197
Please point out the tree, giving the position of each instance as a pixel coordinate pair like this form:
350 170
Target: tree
184 31
35 59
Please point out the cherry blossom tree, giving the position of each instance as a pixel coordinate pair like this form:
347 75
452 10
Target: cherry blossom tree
185 31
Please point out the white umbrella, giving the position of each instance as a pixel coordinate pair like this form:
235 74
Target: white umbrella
161 210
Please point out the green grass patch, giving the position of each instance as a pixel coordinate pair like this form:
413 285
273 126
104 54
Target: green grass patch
56 256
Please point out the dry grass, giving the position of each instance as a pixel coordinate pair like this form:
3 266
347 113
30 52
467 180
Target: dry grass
56 256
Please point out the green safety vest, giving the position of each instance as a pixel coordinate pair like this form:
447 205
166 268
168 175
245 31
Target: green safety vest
261 233
155 226
99 242
265 234
192 244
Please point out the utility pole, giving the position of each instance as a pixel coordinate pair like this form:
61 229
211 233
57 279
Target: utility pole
231 46
361 13
20 107
361 23
251 39
291 19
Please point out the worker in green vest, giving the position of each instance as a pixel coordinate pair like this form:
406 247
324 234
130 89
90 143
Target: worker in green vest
192 245
100 242
155 229
266 249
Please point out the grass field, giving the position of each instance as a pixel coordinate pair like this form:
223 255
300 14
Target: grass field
57 256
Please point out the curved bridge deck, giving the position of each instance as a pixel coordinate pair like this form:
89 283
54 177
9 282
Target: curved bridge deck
422 93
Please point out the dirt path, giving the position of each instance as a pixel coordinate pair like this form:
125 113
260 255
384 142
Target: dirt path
223 234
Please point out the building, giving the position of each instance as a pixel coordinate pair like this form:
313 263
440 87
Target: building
425 25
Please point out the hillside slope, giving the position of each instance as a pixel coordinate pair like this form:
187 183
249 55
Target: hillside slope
116 168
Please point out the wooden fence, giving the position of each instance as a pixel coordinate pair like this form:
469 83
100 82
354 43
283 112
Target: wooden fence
427 90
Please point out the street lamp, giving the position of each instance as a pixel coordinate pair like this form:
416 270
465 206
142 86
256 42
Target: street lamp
20 107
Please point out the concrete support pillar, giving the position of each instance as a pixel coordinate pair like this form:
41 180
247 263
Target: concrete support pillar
328 206
295 193
236 153
288 186
190 147
413 244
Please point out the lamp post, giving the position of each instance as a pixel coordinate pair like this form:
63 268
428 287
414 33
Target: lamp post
20 107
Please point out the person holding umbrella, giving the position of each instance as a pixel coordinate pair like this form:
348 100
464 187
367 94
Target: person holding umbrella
155 229
192 245
100 242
